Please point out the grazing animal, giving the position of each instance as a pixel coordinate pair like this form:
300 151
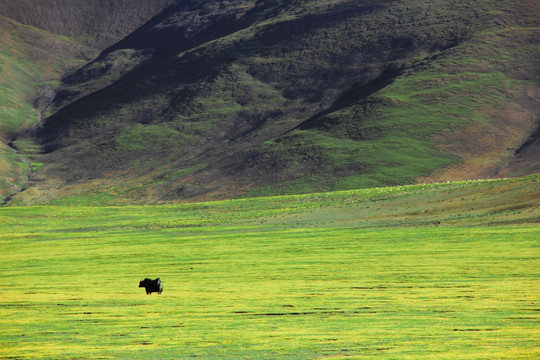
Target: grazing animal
152 285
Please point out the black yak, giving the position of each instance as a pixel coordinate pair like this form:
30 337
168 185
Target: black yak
152 285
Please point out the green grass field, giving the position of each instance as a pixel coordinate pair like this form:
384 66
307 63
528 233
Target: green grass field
344 275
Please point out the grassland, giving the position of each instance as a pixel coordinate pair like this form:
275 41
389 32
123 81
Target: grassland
443 271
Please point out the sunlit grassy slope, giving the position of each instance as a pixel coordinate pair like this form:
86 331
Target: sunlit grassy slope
31 62
39 42
348 275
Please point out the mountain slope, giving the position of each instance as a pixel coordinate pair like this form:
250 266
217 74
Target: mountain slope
98 23
253 97
31 61
40 41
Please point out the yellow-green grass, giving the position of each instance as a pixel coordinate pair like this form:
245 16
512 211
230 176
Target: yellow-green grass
352 275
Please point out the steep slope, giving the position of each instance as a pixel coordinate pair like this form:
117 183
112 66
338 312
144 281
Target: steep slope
254 97
40 41
98 23
31 62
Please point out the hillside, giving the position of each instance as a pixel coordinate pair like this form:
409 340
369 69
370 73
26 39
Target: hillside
97 23
235 98
31 63
40 41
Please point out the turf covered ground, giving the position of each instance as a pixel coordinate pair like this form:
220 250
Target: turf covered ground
446 271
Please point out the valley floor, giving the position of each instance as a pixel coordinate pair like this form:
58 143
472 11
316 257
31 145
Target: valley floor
444 271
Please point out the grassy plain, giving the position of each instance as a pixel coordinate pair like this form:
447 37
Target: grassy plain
346 275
